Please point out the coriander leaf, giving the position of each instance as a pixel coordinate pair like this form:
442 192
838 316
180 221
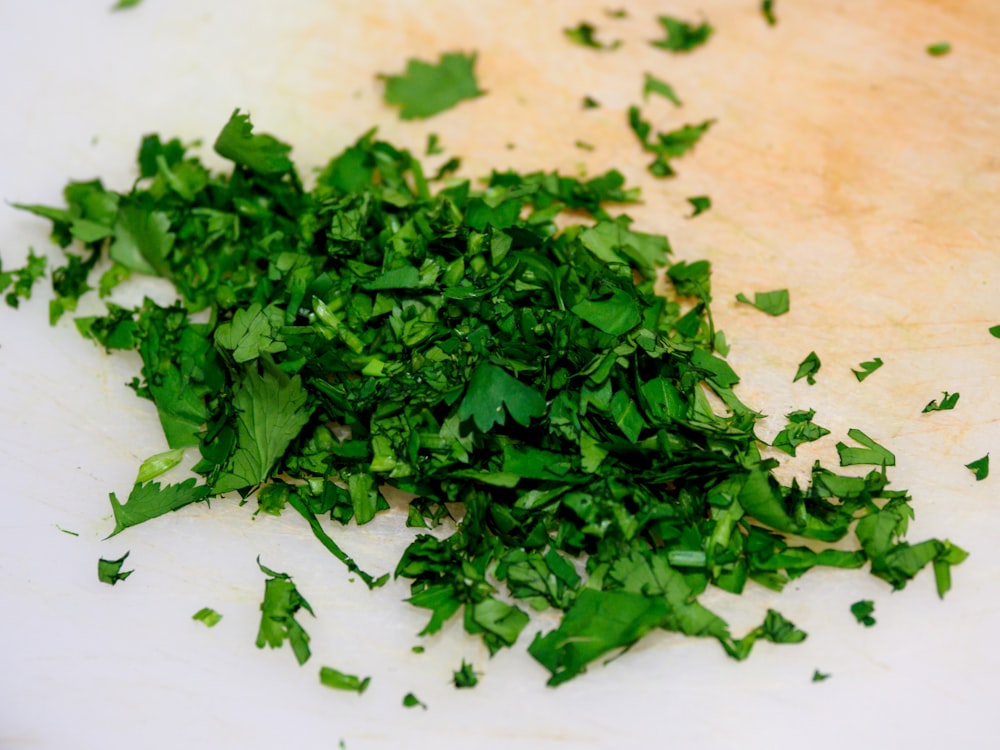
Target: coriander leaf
653 85
208 616
616 314
270 412
109 571
338 680
142 240
260 153
820 676
465 676
938 49
700 204
773 303
410 700
251 332
147 501
584 35
493 393
680 35
614 242
948 401
872 453
867 368
767 9
158 464
980 467
862 612
424 90
808 369
800 429
281 602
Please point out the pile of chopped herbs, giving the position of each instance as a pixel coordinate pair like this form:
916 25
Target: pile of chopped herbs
572 436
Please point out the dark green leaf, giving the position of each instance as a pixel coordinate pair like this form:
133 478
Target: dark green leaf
109 571
584 34
948 401
410 701
939 48
148 501
808 369
773 303
980 467
492 394
767 9
867 368
277 619
261 153
862 612
680 35
700 204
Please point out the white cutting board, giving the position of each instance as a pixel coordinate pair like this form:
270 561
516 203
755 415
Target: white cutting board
846 165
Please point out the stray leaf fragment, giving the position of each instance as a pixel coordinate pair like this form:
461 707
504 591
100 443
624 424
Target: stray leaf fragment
995 331
681 36
665 146
123 4
939 48
808 369
772 303
585 35
948 401
110 571
700 204
862 612
208 616
338 680
411 701
425 89
465 676
872 453
281 602
767 9
820 676
800 429
653 85
980 467
867 368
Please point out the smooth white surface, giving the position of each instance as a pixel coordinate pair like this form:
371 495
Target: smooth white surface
84 665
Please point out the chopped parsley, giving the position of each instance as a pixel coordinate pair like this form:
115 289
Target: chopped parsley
665 146
800 429
584 34
700 204
980 467
411 701
872 453
653 85
820 676
680 35
767 10
21 281
433 145
110 571
425 89
208 616
862 612
808 369
938 49
948 401
590 102
995 331
338 680
465 676
277 615
867 368
123 4
772 303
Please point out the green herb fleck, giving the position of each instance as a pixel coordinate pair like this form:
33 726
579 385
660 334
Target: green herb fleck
980 467
433 145
800 429
653 85
410 701
948 401
337 680
767 9
616 13
590 102
808 369
261 153
584 35
66 531
665 146
820 676
22 279
208 616
700 204
465 676
772 303
938 49
277 620
109 571
680 35
867 368
873 453
161 463
424 90
995 331
862 612
123 4
584 146
418 649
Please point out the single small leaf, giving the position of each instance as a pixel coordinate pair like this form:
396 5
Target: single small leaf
995 331
862 612
773 303
465 676
338 680
493 393
109 571
808 369
867 368
680 35
948 401
820 676
767 9
654 85
158 464
424 89
410 701
281 602
980 467
700 204
584 34
872 453
261 153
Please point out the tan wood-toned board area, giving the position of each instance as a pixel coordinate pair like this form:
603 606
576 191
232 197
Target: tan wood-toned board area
845 164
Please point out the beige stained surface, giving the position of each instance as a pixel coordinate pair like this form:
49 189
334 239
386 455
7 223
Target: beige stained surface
846 164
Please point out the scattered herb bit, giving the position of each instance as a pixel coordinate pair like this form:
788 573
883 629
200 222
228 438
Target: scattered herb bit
277 619
161 463
583 145
208 616
333 678
22 279
665 146
938 49
424 90
123 4
410 700
680 35
772 303
767 9
433 145
653 85
480 355
616 13
808 369
862 612
980 467
465 676
948 402
720 344
820 676
590 102
109 571
418 649
867 368
584 35
700 204
995 331
873 453
800 429
66 531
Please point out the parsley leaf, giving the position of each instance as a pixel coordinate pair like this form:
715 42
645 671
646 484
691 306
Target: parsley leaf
424 90
584 34
252 332
158 464
867 368
590 102
862 612
700 204
22 279
948 401
338 680
261 153
653 85
665 146
939 48
872 453
820 676
800 429
109 571
493 393
680 35
410 701
773 303
767 9
147 501
208 616
281 602
995 331
980 467
808 369
465 676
